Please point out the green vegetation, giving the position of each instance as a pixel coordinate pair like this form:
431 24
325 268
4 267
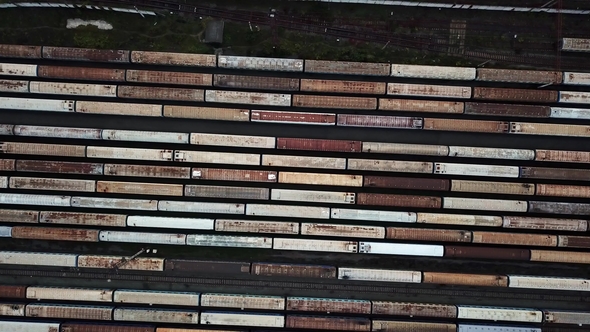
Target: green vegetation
130 31
177 33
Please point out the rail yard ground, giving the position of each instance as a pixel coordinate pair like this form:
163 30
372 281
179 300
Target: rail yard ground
418 35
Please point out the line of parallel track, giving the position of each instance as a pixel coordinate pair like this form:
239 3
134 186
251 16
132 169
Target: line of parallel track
298 285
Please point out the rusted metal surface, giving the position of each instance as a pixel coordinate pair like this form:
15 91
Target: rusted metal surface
52 184
90 219
210 157
321 179
226 192
488 253
118 108
241 301
152 92
559 208
328 305
566 317
371 232
156 315
83 89
459 219
12 292
428 106
166 329
465 279
562 190
207 267
54 233
421 234
519 76
174 59
147 171
19 216
537 96
401 148
559 257
304 162
574 78
7 164
574 225
254 226
390 166
406 183
426 90
262 142
116 187
380 325
250 98
108 262
12 309
82 73
575 44
347 68
339 86
555 173
528 111
294 270
549 129
574 97
20 51
85 54
490 187
57 132
310 144
490 153
293 117
7 130
168 77
142 237
353 120
399 200
414 309
14 86
61 167
258 63
156 297
466 125
328 323
565 241
433 72
207 113
233 175
90 327
363 103
563 156
13 69
256 82
462 203
312 196
69 311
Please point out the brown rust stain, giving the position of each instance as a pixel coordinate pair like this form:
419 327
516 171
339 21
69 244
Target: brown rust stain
147 264
60 234
305 271
14 85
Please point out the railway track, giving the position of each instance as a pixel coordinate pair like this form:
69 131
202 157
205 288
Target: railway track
300 285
